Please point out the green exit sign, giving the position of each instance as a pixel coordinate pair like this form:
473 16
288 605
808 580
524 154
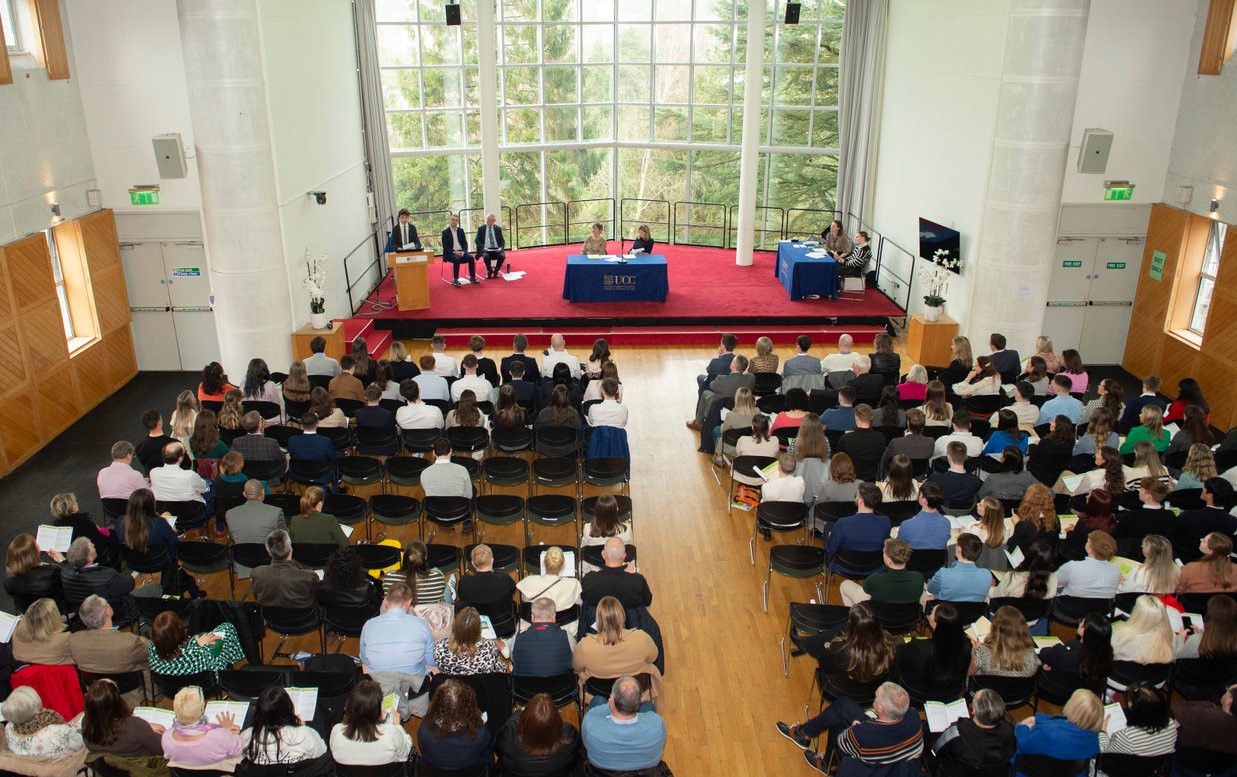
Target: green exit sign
1119 193
1072 263
143 197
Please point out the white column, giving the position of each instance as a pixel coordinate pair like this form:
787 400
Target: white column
749 153
487 64
1030 149
240 210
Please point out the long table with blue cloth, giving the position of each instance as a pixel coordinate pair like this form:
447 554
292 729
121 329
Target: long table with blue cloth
805 276
640 279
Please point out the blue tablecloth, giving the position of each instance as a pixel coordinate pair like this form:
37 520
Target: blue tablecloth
642 279
803 276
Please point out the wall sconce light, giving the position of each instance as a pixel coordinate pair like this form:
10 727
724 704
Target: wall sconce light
1215 209
56 217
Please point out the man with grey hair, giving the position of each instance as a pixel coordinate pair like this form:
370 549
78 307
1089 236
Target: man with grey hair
106 650
983 741
543 649
557 354
283 582
867 743
119 479
81 575
623 733
867 384
617 578
253 521
491 248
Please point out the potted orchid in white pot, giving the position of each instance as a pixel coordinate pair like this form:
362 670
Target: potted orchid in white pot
315 284
934 281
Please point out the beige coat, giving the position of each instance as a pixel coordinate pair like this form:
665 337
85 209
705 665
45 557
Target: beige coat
633 655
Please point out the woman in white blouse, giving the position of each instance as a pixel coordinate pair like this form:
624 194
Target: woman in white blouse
984 380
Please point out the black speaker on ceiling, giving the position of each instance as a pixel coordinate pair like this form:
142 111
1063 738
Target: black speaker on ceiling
453 14
792 13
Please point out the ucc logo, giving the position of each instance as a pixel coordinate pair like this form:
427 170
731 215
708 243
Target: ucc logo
620 280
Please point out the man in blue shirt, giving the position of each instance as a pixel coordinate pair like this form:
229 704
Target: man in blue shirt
963 582
1061 404
842 417
397 650
928 530
623 734
310 446
1094 577
864 531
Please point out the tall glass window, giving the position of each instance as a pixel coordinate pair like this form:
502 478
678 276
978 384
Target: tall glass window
638 99
1207 276
9 23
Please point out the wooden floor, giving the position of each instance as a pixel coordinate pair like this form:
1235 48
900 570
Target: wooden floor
723 670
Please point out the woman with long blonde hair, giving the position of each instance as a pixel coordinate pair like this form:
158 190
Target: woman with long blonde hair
1159 573
1200 466
765 359
1147 637
1147 464
616 650
1008 650
1150 429
992 526
1215 572
183 417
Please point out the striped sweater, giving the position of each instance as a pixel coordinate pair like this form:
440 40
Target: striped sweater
1139 741
883 742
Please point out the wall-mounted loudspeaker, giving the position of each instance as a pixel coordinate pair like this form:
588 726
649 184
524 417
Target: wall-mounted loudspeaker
170 155
453 14
792 13
1093 154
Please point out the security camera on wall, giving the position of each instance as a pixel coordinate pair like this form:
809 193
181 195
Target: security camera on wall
319 197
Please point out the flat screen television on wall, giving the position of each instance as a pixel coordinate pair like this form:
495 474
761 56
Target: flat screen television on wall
934 237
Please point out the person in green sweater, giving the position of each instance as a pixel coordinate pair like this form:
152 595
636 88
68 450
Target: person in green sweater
895 584
1151 428
313 526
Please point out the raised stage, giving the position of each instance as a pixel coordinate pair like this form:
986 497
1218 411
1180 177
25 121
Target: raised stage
708 292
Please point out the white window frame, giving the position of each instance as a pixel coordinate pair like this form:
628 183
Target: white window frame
62 293
1207 280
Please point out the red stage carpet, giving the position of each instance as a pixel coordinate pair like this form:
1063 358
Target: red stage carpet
706 287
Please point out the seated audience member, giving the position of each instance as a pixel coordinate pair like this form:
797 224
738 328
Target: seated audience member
1216 637
885 361
936 667
605 523
1208 726
368 734
865 531
759 442
537 741
466 413
276 734
1072 368
119 479
1150 428
1147 465
1008 650
66 512
1189 394
558 354
397 650
214 383
724 385
295 390
788 487
346 385
1148 397
1215 572
765 359
802 363
623 734
508 414
33 730
431 384
1108 475
1194 430
982 742
915 387
1159 574
1151 518
889 413
1023 408
1074 735
81 575
558 411
1006 433
310 446
402 364
1111 398
991 527
561 377
928 529
914 444
562 590
254 520
283 582
1150 731
863 652
1200 465
427 583
864 445
1193 525
1037 375
1098 513
205 443
322 406
172 650
866 745
544 649
149 451
374 415
1035 519
172 483
983 380
840 418
615 650
486 367
962 582
1147 637
444 363
453 736
936 411
618 578
894 584
143 530
312 526
608 412
184 417
530 372
524 388
346 584
319 363
415 414
958 486
843 359
1101 432
256 446
1005 360
444 477
102 649
866 384
1089 655
471 381
465 651
1061 403
840 485
1045 350
1011 481
900 484
797 406
961 433
193 741
1092 577
40 636
1034 578
110 727
489 591
231 480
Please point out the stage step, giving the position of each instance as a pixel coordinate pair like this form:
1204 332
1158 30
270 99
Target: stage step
669 334
377 341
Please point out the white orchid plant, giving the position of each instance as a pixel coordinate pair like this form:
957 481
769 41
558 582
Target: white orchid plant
315 282
934 278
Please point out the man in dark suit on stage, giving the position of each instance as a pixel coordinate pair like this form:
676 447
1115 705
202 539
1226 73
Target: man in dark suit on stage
404 236
455 251
491 247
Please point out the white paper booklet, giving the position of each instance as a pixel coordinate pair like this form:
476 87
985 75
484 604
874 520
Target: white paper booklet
305 700
7 624
57 538
156 716
941 715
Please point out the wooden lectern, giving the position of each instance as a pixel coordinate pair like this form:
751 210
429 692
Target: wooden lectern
412 288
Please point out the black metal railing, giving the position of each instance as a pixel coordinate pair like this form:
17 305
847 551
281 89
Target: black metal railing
808 222
687 223
580 215
762 241
524 233
431 235
660 227
896 272
470 229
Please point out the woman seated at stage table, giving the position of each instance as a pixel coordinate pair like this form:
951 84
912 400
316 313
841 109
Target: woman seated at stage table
644 241
595 243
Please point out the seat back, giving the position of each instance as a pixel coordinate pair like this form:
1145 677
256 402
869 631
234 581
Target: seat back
781 516
1047 766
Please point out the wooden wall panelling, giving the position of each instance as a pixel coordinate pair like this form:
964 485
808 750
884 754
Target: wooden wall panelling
1218 37
6 296
52 52
98 238
121 361
58 401
30 272
19 425
90 371
6 67
12 357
